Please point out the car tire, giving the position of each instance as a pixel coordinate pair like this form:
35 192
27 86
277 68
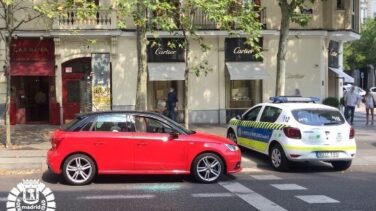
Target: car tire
79 169
231 135
207 168
278 158
341 165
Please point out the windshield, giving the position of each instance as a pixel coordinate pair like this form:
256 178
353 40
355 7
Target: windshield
318 117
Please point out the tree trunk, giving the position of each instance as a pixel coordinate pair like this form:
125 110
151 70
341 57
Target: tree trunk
141 93
186 82
282 48
8 142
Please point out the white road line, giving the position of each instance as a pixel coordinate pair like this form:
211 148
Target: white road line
140 196
254 199
246 170
266 177
317 199
3 199
211 195
288 187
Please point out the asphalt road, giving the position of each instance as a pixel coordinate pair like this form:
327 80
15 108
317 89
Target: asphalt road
313 186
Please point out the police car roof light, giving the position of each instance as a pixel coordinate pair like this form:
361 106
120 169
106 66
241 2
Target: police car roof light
294 99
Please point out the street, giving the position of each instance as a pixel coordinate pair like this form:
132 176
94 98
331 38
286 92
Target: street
258 187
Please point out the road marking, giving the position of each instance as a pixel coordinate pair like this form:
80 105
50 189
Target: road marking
140 196
254 199
246 170
266 177
288 187
209 195
3 199
316 199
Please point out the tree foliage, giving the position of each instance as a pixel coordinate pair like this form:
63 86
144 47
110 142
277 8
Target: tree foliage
360 53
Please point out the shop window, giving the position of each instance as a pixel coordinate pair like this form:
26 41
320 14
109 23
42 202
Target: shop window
270 114
340 4
244 94
252 114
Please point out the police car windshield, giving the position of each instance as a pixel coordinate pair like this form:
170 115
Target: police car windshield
318 117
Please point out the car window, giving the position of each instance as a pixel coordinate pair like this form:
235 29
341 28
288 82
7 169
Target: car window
151 125
373 89
270 114
252 114
114 123
318 117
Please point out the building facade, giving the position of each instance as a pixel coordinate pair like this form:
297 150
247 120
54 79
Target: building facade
57 73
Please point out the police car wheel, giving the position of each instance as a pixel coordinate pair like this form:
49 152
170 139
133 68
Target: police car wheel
278 158
79 169
231 135
207 168
341 165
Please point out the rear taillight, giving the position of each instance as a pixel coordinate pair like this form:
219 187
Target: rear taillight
292 132
55 141
352 133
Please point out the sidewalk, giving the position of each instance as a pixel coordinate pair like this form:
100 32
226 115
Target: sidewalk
31 143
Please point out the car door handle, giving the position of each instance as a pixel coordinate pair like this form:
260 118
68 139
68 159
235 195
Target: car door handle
98 143
141 144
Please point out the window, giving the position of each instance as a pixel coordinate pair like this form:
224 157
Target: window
333 60
340 4
150 125
114 123
318 117
245 93
270 114
252 114
73 91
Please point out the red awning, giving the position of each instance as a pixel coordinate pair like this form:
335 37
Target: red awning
32 69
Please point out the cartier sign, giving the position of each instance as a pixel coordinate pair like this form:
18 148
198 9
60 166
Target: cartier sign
32 49
165 50
237 50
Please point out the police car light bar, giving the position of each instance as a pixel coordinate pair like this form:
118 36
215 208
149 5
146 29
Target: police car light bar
293 99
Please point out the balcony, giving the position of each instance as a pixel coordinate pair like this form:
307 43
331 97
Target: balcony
69 20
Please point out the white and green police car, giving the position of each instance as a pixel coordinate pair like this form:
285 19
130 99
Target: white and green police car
292 129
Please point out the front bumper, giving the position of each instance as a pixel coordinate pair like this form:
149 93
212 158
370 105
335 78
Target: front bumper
233 163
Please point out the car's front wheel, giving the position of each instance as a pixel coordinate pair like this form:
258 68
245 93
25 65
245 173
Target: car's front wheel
278 158
231 135
207 168
341 165
79 169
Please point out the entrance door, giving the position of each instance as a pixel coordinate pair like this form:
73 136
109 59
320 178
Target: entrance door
75 75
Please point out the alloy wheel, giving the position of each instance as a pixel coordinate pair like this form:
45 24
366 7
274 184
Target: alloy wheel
276 157
209 168
79 170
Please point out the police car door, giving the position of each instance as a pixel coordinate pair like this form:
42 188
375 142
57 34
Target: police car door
246 126
265 128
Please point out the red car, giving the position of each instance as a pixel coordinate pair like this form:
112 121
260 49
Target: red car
138 143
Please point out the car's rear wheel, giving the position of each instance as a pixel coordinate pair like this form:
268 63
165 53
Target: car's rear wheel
341 165
278 158
207 168
79 169
231 135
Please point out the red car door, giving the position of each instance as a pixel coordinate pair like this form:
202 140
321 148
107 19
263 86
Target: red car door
157 152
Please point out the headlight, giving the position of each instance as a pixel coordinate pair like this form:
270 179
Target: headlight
232 147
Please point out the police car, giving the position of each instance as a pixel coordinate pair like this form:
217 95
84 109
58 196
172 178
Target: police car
295 129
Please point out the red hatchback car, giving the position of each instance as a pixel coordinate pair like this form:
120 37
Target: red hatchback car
138 143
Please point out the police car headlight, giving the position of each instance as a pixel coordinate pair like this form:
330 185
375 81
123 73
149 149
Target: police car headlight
232 148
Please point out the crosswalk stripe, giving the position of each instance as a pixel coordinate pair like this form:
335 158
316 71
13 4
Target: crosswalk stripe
246 170
211 195
288 187
254 199
96 197
316 199
265 177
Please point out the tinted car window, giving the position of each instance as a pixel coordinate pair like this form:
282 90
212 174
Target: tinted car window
113 123
252 114
318 117
270 114
72 123
150 125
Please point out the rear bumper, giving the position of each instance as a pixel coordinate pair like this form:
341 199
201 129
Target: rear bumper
54 161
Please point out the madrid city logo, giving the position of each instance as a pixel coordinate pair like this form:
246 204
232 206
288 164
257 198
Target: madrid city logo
31 195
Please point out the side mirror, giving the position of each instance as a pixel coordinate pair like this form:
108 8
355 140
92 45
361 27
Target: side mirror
174 135
238 117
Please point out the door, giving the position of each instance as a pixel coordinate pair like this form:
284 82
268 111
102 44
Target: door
155 150
245 131
71 98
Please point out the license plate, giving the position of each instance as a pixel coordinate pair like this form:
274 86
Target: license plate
327 154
